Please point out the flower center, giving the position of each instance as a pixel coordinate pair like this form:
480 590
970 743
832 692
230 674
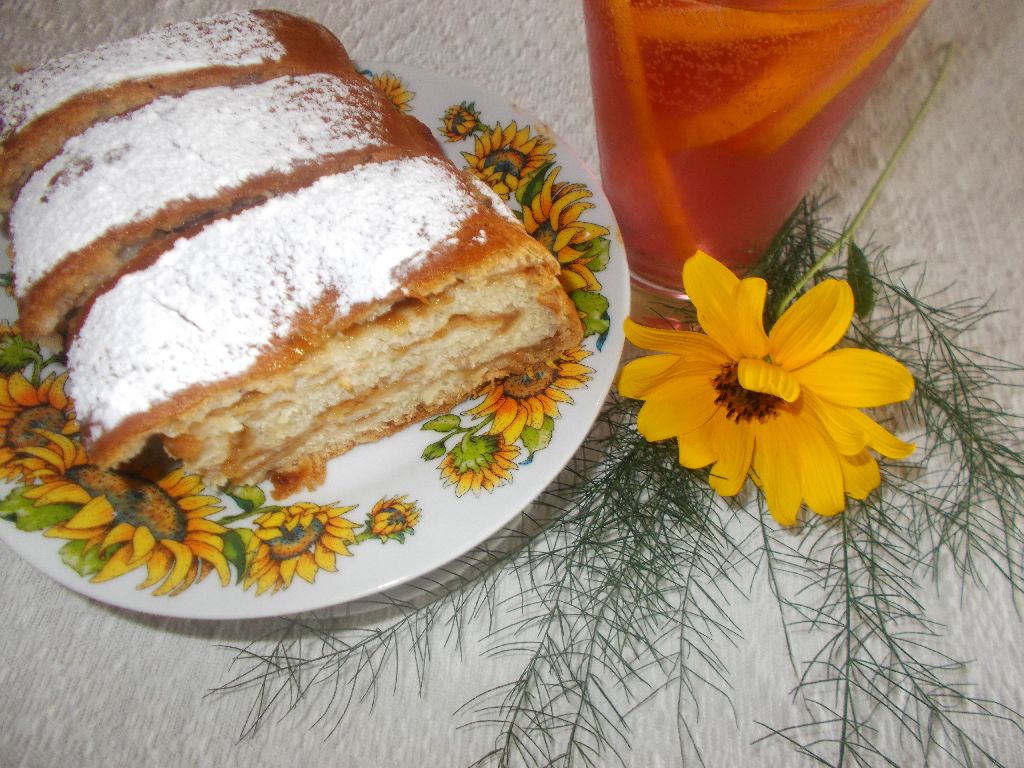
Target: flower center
742 404
545 235
462 122
136 502
296 541
533 382
507 162
475 454
20 432
389 520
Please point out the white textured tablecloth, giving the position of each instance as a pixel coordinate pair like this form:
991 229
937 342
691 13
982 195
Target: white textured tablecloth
87 685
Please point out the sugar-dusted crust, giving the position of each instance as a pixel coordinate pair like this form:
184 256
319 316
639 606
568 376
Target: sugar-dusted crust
33 129
261 325
483 303
180 160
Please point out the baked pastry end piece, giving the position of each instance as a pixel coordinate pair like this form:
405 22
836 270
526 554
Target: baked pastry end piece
421 357
42 107
470 298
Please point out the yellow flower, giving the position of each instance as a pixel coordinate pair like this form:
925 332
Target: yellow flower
24 411
161 525
300 539
479 462
523 400
459 121
505 157
392 518
393 87
783 407
553 219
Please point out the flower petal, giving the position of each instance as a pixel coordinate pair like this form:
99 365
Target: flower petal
202 525
62 493
182 561
776 472
860 378
325 558
734 445
287 570
505 415
748 320
882 440
761 376
712 288
639 377
119 534
307 567
675 408
213 556
96 513
118 564
22 391
192 503
813 325
511 432
335 544
852 430
688 344
860 474
268 580
821 478
143 541
695 448
157 567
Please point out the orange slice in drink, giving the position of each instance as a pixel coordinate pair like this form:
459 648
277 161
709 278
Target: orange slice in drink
779 131
791 82
780 81
663 187
721 71
700 23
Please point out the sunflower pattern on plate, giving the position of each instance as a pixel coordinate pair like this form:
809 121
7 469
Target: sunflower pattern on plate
393 87
481 447
161 522
515 415
169 530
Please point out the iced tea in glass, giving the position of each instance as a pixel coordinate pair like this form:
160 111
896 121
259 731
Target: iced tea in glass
715 116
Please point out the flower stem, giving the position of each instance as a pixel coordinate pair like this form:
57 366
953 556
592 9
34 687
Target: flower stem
869 202
365 535
239 517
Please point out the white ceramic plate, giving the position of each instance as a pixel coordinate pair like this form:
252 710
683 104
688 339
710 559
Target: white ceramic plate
417 471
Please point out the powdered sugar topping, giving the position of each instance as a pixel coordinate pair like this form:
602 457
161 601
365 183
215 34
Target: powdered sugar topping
211 304
176 148
500 206
232 39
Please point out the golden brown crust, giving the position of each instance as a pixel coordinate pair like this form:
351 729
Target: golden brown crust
537 325
507 249
309 47
45 307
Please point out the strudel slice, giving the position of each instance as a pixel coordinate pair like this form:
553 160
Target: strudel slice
42 107
179 160
265 343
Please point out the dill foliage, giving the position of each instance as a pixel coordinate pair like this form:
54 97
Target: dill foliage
615 590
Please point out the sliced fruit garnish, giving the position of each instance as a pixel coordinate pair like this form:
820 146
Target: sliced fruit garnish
781 130
662 183
704 24
794 79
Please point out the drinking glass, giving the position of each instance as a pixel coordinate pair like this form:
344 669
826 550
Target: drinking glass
715 116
